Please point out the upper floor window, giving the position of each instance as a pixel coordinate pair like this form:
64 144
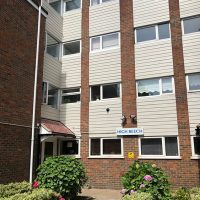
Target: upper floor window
71 95
104 41
53 47
96 2
50 95
193 82
154 32
70 48
156 86
56 5
191 25
99 92
72 5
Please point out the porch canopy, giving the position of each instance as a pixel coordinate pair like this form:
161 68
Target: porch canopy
51 128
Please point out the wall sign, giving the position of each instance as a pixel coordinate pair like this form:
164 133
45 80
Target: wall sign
131 155
129 131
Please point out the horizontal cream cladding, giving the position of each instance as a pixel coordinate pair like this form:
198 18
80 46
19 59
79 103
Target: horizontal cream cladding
54 22
157 115
72 25
70 116
150 12
52 70
191 50
105 67
104 18
153 59
101 122
49 112
189 7
71 71
194 110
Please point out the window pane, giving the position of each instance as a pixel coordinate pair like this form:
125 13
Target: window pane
95 43
112 146
167 85
95 92
111 91
95 147
191 25
72 4
69 147
71 98
106 0
151 146
72 48
53 46
163 30
171 146
56 5
194 82
44 92
53 96
71 90
95 2
48 151
148 87
110 40
144 34
197 145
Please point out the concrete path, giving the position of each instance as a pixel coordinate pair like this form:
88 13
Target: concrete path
98 194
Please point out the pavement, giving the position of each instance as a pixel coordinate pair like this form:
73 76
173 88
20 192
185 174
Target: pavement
99 194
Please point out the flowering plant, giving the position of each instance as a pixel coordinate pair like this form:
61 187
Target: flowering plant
35 184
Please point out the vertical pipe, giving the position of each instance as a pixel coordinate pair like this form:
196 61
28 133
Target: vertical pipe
35 94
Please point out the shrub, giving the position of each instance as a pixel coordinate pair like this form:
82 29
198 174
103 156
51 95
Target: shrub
145 177
14 188
195 193
182 194
138 196
63 174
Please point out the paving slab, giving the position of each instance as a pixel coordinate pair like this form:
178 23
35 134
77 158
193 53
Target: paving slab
100 194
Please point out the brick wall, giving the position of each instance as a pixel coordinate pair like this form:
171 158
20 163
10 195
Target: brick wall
18 32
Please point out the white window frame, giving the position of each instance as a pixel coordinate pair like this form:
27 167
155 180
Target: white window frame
101 148
74 54
182 24
100 2
70 139
101 42
163 156
101 92
69 94
160 87
156 30
77 9
188 85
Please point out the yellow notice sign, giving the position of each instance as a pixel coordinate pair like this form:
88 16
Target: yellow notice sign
130 155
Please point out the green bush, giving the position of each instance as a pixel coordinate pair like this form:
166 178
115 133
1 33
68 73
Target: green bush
36 194
182 194
14 188
195 193
138 196
144 177
63 174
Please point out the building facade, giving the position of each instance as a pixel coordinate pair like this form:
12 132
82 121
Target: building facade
112 64
18 36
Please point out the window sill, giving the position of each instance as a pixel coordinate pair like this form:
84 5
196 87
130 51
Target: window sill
160 158
195 157
154 96
152 41
103 50
193 91
105 157
104 100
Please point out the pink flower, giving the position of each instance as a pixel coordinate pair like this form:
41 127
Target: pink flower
123 191
142 186
148 178
35 184
133 191
62 198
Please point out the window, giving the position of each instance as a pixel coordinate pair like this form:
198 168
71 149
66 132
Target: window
196 146
56 5
53 47
104 42
71 48
106 147
72 5
99 92
161 147
50 95
154 32
193 82
69 147
191 25
96 2
153 87
71 95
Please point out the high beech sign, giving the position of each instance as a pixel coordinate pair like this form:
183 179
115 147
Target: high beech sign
129 131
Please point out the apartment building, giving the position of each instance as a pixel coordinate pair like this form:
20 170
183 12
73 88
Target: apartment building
18 38
121 82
